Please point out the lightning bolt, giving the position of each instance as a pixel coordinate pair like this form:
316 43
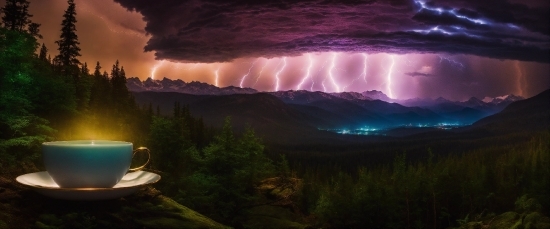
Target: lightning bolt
322 82
363 74
242 79
260 74
217 76
452 11
307 73
365 67
519 78
332 64
388 78
154 69
451 61
277 74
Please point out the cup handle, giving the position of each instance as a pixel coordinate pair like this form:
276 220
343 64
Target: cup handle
148 158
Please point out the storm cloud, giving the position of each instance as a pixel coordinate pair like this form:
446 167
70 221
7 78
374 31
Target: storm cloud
413 74
220 31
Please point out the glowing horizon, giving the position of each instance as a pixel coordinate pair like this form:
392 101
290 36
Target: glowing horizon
400 76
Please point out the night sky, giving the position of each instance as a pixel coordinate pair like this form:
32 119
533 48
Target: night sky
406 48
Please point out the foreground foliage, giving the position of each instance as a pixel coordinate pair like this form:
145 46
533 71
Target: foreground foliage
435 193
220 179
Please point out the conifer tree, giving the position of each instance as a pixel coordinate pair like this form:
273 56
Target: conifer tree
97 70
84 70
120 92
68 43
106 75
100 90
17 18
16 15
43 53
34 30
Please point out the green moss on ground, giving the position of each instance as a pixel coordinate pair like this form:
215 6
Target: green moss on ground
167 213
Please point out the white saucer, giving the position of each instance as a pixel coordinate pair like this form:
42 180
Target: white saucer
131 182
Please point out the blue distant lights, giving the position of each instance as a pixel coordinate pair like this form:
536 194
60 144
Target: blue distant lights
359 131
383 131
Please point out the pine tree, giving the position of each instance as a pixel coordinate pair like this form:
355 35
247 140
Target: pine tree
34 30
16 15
84 70
115 71
106 75
97 71
100 91
68 42
120 92
43 53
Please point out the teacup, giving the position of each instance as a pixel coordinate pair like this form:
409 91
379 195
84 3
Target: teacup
89 163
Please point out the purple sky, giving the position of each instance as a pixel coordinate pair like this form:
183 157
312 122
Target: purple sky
450 48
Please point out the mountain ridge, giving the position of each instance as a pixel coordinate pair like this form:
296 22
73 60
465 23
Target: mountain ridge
199 88
345 109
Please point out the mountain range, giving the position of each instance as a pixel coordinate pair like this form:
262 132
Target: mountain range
196 88
337 110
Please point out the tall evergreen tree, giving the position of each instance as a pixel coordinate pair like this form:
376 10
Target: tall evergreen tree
100 91
34 30
43 53
16 15
68 43
84 70
118 82
97 70
17 18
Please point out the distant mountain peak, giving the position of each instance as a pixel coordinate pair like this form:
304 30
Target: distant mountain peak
441 100
193 87
351 96
374 94
504 98
474 99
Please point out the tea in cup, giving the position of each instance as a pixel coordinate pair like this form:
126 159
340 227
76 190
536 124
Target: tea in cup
89 163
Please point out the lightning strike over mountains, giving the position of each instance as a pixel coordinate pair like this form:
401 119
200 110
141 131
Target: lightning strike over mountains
154 69
244 77
260 74
364 74
308 72
277 79
389 77
217 77
330 74
520 79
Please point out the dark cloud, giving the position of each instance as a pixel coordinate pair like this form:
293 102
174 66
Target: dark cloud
413 74
218 30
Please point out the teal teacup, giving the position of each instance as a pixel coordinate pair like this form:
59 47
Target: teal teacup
89 163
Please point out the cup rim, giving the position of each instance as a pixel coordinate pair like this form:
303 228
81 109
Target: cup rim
87 143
